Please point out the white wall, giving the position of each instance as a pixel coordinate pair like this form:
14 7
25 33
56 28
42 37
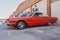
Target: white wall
56 11
42 7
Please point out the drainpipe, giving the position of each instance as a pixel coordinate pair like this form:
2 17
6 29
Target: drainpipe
49 8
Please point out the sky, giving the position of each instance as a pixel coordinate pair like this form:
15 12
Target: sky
7 7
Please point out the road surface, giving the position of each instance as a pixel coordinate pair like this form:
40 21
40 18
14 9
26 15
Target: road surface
35 33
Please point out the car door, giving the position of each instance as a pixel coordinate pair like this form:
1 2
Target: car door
35 20
38 20
43 20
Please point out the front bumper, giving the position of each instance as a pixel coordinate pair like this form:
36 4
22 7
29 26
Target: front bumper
11 24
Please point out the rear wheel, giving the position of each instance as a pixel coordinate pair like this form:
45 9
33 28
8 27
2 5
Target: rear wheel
51 24
21 24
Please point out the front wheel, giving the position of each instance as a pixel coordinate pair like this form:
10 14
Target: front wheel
21 25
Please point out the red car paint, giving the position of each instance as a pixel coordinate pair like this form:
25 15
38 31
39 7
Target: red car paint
32 21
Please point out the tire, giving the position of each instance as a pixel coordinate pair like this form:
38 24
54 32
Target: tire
51 24
21 25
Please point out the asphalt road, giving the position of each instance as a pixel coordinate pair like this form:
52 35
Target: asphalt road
35 33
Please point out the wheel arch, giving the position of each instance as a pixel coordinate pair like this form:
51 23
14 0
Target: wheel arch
22 21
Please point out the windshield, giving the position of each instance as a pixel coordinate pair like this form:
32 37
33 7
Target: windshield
25 15
29 14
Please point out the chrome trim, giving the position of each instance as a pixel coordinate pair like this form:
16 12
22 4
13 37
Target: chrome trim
11 23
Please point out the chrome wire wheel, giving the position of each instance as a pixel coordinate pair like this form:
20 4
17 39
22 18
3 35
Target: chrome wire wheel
21 25
51 24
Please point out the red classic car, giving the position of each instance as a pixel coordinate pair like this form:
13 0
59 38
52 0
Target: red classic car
30 19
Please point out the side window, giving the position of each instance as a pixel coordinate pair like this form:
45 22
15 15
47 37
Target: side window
41 14
30 15
38 14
